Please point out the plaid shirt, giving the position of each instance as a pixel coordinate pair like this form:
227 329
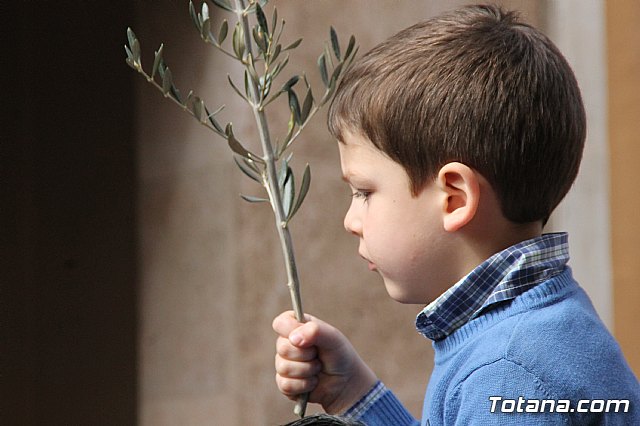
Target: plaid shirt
502 277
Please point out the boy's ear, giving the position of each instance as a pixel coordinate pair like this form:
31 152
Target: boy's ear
461 189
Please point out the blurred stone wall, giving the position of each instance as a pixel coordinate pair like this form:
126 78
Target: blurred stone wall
212 277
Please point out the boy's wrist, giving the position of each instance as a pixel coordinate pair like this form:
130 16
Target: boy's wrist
353 391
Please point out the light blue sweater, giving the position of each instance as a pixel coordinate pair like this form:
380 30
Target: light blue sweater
547 344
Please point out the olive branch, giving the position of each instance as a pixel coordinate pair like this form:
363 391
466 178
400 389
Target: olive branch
257 47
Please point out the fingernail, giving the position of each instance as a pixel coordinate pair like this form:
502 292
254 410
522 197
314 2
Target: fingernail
296 338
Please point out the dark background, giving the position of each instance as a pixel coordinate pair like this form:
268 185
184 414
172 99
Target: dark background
68 298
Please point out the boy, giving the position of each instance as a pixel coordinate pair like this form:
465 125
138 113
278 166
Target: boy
459 136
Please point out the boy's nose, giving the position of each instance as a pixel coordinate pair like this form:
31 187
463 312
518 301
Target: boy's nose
352 224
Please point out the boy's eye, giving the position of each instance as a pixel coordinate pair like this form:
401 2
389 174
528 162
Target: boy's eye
361 194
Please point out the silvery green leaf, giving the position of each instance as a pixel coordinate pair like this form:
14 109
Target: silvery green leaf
322 66
294 44
253 199
336 74
205 11
289 193
130 36
129 62
274 20
262 20
290 83
236 89
276 53
167 81
283 174
156 61
328 94
205 32
213 121
161 68
279 32
287 140
129 53
261 42
198 109
215 124
224 29
246 83
328 56
352 43
237 146
243 164
306 106
194 16
294 105
247 90
176 94
350 61
304 188
255 79
334 43
135 49
224 4
265 84
238 41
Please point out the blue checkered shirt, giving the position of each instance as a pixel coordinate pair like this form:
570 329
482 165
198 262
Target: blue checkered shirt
502 277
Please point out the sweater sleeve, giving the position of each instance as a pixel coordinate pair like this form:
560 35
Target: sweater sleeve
380 407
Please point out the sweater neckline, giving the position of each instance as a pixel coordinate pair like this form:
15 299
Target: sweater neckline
544 294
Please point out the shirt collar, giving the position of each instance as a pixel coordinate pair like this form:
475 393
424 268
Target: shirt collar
502 277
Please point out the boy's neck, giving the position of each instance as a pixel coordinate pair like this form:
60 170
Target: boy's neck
490 232
515 233
476 249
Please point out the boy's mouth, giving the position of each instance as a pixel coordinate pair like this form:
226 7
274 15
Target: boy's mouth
372 266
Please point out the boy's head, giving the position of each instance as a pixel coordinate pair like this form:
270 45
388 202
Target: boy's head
324 420
474 86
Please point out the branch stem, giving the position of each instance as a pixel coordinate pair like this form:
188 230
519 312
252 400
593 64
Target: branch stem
273 190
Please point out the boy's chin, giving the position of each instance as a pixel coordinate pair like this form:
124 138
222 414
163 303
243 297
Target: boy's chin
401 295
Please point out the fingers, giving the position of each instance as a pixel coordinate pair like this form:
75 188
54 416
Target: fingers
295 369
314 332
287 350
297 365
292 388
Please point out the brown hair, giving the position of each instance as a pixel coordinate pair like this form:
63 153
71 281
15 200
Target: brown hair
475 86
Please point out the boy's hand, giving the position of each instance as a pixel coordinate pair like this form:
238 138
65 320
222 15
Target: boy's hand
317 358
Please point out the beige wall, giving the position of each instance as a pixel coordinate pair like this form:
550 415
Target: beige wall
578 28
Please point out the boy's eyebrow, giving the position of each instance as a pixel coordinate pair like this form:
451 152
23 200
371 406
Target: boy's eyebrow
346 176
349 176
